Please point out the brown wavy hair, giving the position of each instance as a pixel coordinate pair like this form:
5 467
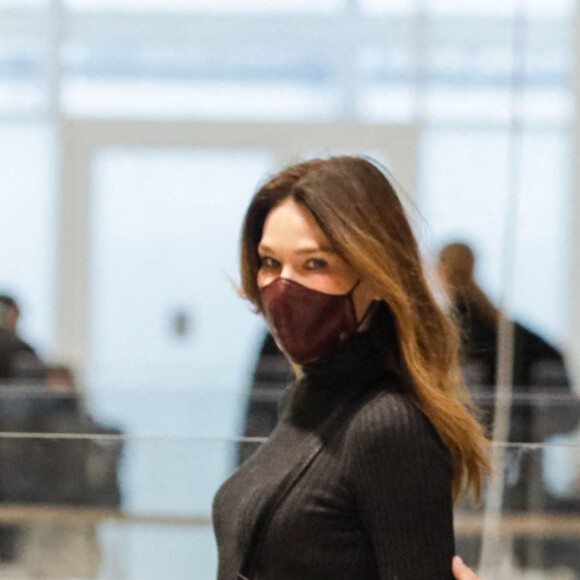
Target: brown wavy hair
361 215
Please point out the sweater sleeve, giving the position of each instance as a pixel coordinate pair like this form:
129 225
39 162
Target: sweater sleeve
401 476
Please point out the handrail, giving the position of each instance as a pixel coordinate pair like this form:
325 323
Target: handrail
82 516
527 524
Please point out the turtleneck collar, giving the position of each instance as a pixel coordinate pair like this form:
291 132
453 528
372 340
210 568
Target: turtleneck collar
359 359
358 363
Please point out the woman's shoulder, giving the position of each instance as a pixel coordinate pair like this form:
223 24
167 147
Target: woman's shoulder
390 429
389 415
388 401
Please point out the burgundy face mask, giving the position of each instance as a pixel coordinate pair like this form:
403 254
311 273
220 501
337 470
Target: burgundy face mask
308 324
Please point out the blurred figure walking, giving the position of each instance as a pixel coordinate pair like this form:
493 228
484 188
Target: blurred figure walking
18 360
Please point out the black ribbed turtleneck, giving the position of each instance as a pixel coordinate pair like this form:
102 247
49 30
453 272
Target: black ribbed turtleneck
358 358
376 501
326 382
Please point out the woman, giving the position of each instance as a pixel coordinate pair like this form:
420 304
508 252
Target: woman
357 479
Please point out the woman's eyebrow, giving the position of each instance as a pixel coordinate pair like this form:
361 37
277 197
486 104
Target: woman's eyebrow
262 248
314 249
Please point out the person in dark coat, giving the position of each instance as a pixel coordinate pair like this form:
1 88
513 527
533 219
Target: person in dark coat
537 365
81 472
272 375
538 368
18 360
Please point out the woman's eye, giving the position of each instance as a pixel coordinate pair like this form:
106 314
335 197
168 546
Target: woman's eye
315 264
269 263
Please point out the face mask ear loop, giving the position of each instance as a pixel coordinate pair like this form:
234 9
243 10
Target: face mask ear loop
369 312
356 284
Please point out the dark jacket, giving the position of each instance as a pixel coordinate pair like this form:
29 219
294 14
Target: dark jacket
540 379
18 360
272 375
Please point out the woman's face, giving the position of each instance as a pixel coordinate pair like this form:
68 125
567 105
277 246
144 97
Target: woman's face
294 247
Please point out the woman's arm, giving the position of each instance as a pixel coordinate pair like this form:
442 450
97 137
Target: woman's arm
401 477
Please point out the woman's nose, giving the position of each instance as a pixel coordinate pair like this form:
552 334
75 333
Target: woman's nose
288 272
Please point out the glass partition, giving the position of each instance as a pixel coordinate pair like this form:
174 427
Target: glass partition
94 493
28 225
536 532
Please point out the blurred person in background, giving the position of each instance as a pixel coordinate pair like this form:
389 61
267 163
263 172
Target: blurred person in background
78 472
18 360
60 379
538 370
272 375
534 357
538 367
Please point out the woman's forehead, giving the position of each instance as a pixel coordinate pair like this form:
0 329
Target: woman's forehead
291 222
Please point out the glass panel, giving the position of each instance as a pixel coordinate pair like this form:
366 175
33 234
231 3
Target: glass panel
282 72
164 307
540 8
535 535
93 507
544 230
109 508
548 95
548 105
479 7
468 70
223 6
554 9
28 226
225 81
389 7
23 85
23 4
83 497
387 89
462 194
227 101
464 188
